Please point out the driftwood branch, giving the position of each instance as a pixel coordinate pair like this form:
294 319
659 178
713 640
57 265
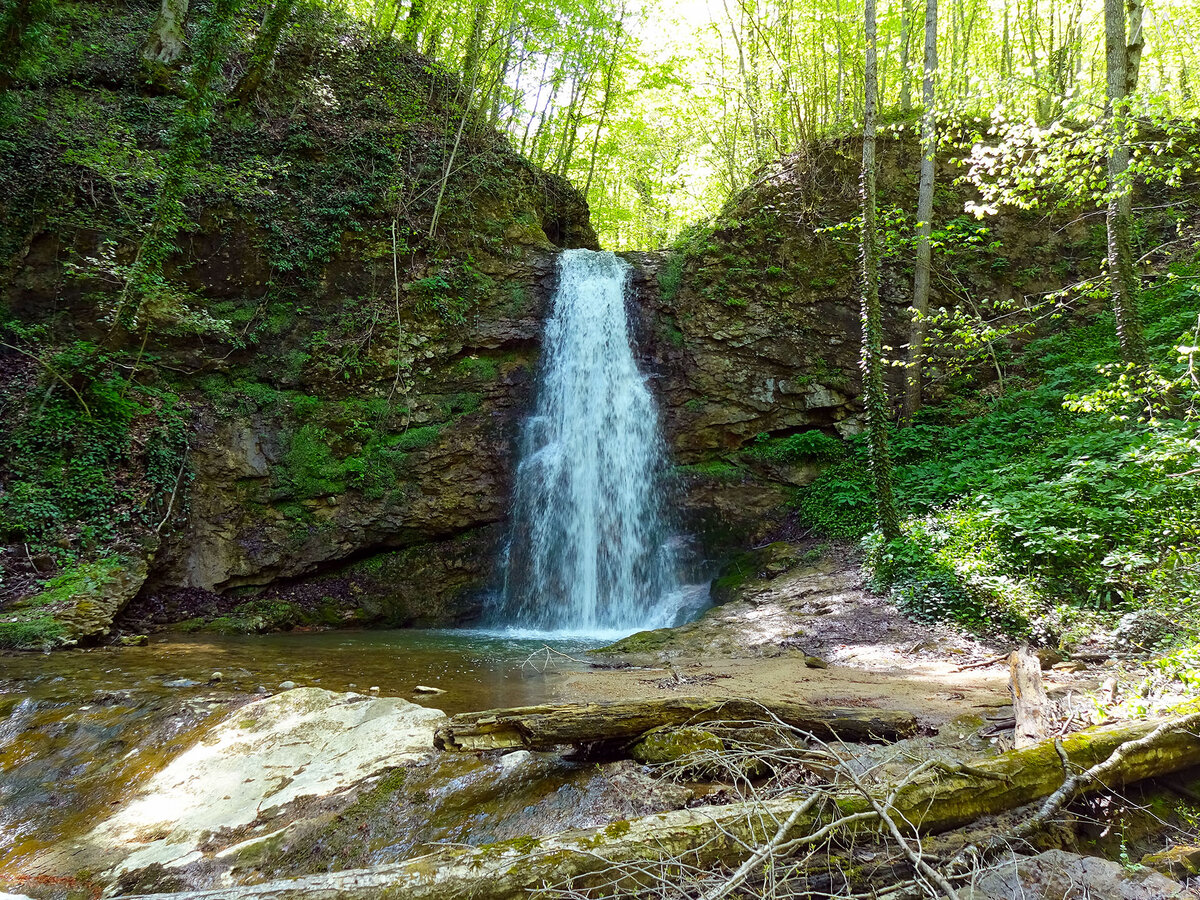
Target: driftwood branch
547 727
1029 698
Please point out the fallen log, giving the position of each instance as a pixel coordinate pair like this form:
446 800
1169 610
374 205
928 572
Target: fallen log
547 727
939 799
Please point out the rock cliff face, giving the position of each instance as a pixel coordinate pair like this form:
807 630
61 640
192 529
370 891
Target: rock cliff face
752 325
322 398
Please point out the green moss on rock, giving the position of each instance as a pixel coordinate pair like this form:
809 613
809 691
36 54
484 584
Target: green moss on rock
669 745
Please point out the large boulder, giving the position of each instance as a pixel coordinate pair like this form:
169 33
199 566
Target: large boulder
304 743
76 606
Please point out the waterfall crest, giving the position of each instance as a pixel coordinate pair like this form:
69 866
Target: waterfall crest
590 549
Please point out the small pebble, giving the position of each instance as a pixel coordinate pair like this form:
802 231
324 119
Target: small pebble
375 688
286 685
215 677
426 689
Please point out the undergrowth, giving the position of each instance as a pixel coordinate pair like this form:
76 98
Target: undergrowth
1069 495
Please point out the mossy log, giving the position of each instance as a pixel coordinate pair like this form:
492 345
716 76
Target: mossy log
547 727
938 800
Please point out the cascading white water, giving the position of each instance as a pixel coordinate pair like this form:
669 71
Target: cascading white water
590 550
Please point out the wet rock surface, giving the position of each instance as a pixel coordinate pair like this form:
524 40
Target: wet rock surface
301 742
238 789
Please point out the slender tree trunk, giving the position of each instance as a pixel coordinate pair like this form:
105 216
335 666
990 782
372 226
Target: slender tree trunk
262 54
431 35
1135 43
841 66
187 144
471 60
916 341
537 101
167 39
396 10
608 77
572 125
874 397
1123 278
906 11
412 24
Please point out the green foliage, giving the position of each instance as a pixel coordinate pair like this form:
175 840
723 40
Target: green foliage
805 446
839 502
1072 492
416 438
715 470
670 276
34 633
923 570
310 468
77 476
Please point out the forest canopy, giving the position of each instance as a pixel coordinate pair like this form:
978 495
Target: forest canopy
660 110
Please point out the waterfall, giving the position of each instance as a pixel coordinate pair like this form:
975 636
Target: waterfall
590 549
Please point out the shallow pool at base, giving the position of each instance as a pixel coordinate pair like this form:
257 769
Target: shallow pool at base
477 669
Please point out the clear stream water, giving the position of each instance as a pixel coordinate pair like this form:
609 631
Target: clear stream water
80 729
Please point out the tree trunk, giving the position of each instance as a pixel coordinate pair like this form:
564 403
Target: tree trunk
1029 698
905 56
938 800
608 78
916 339
547 727
168 38
874 396
472 60
1123 279
262 54
1135 43
412 24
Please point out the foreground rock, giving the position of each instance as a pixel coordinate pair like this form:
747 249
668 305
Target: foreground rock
626 854
301 743
1056 875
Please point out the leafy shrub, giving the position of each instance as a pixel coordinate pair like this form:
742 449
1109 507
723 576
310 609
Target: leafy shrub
812 445
1077 491
839 503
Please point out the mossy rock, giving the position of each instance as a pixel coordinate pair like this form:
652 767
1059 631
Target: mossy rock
754 566
669 745
76 606
1177 862
641 642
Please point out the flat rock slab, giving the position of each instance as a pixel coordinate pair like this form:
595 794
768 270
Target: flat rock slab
300 743
816 609
1057 875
